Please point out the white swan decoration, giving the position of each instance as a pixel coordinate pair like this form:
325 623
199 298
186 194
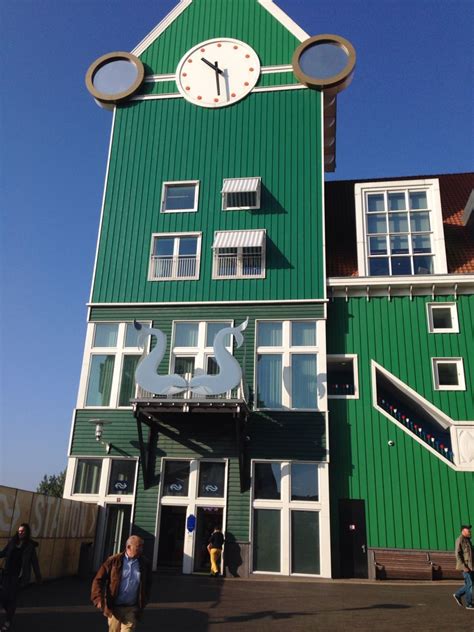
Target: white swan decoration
145 373
230 372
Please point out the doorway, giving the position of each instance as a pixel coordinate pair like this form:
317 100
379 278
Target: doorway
171 540
117 529
208 518
353 539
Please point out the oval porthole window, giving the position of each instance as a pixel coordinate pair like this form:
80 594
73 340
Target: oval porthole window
115 77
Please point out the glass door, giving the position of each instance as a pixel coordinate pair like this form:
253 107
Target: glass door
117 529
208 518
171 539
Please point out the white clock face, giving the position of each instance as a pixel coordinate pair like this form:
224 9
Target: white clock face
218 72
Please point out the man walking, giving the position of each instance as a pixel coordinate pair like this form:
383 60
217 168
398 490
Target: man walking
463 551
216 542
121 588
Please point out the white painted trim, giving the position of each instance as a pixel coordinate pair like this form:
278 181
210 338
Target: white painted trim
417 285
284 19
160 78
323 195
425 280
99 236
454 329
315 301
153 97
194 183
355 367
160 27
468 209
460 386
266 70
71 432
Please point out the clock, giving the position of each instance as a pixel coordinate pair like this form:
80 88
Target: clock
114 77
218 72
325 62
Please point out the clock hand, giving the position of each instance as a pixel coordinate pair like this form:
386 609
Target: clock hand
217 80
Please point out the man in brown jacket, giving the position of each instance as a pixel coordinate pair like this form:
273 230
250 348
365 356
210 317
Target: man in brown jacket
463 551
121 588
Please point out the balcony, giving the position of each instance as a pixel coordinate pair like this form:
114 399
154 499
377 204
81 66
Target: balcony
238 266
174 267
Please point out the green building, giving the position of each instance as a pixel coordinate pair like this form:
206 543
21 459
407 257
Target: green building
352 426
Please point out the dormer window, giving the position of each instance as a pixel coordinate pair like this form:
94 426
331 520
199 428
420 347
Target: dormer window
241 193
399 228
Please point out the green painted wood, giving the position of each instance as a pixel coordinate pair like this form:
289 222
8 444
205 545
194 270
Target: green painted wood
413 499
165 140
205 19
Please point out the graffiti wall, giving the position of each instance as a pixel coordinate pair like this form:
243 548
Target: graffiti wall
59 526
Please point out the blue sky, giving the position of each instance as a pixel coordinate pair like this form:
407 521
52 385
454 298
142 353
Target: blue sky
409 111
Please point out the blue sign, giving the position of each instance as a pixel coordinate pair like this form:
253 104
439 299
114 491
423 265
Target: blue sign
191 523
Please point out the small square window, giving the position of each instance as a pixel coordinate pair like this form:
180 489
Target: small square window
448 374
342 377
186 334
442 318
105 335
122 477
267 481
180 197
87 478
174 256
304 481
176 479
211 479
241 193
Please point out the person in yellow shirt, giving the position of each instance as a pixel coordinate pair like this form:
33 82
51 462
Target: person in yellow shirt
216 542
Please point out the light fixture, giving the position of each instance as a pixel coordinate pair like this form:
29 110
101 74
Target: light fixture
99 430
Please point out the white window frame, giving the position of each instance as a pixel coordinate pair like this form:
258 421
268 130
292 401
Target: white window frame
175 256
119 351
286 350
431 187
460 386
454 329
285 505
201 352
243 208
341 357
239 266
194 183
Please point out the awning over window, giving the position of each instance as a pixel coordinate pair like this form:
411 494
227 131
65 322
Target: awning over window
239 239
241 185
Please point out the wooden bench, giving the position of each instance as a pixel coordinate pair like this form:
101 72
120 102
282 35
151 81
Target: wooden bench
402 564
444 565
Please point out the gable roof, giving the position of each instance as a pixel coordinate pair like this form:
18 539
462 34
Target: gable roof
341 246
260 23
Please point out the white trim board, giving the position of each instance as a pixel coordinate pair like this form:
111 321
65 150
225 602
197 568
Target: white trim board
315 301
173 95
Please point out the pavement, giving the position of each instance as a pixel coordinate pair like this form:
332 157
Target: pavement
206 604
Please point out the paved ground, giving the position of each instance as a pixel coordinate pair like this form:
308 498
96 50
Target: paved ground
202 604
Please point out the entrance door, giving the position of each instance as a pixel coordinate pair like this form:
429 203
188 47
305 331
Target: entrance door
208 518
352 538
117 529
171 540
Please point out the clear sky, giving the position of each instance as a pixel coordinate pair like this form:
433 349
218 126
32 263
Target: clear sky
409 111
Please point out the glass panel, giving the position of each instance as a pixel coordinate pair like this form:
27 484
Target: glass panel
303 381
375 203
269 334
105 335
378 245
122 477
251 261
212 329
132 334
418 199
188 246
421 243
87 476
100 380
115 76
398 223
267 481
186 334
378 267
442 318
423 265
376 223
303 334
211 479
176 479
447 374
399 245
304 481
341 377
420 222
127 384
212 366
396 202
164 246
305 542
184 366
266 540
179 196
401 265
269 381
323 60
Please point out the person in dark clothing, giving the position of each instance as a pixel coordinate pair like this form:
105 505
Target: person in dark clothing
216 542
20 556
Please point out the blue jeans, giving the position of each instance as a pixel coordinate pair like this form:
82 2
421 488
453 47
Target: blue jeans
467 588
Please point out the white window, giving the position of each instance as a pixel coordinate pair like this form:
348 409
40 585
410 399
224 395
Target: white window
400 228
87 476
448 374
342 377
442 318
289 517
239 254
241 193
111 357
103 477
175 256
287 374
180 197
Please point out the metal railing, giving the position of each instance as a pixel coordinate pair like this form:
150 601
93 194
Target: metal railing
238 265
183 266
